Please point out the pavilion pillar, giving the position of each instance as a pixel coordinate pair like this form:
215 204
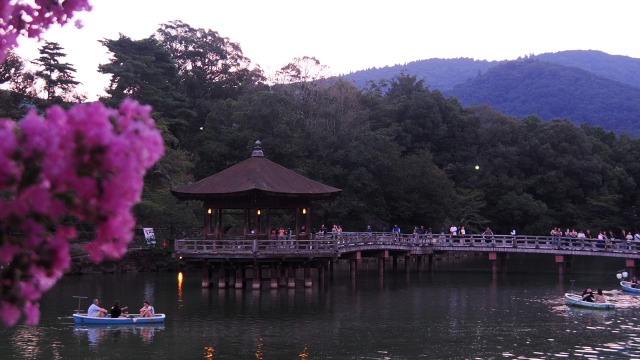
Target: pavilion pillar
218 224
207 222
273 283
297 230
222 277
307 276
308 223
246 222
267 221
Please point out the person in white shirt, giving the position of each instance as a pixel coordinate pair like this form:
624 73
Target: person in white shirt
147 310
95 310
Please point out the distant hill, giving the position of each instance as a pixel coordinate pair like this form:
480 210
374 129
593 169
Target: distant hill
623 69
441 74
585 86
550 90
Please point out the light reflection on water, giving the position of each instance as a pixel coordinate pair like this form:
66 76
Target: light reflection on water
438 316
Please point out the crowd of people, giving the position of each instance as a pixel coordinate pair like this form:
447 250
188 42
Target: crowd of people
116 311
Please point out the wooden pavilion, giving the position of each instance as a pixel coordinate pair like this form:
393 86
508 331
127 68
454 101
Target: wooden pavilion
257 186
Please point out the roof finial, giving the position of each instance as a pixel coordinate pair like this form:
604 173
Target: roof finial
257 150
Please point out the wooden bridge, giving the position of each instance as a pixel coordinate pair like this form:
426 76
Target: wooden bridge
288 254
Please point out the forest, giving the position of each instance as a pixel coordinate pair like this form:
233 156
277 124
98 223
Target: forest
402 153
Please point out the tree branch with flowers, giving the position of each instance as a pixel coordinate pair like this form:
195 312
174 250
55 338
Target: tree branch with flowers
86 163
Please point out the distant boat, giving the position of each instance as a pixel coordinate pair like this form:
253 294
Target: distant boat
130 319
576 300
626 286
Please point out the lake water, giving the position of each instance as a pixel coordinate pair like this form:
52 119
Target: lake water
443 315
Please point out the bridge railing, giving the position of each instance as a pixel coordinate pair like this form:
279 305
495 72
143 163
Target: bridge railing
342 242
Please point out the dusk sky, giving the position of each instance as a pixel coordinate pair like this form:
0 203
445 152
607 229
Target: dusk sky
351 35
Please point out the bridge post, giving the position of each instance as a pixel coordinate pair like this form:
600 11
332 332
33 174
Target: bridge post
239 276
430 264
331 268
420 261
257 276
282 279
630 264
352 268
273 281
291 280
394 260
321 271
493 257
232 276
206 280
380 266
407 263
307 276
561 264
222 277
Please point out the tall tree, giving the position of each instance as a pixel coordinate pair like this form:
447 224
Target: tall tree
211 67
11 67
58 76
144 70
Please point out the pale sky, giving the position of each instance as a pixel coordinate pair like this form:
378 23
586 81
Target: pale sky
351 35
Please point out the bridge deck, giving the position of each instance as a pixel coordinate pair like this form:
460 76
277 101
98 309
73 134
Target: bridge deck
333 246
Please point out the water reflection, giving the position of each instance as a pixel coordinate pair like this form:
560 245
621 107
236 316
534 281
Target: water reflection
180 278
27 340
99 333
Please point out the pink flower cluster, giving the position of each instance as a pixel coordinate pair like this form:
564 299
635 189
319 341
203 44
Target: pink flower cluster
87 165
32 18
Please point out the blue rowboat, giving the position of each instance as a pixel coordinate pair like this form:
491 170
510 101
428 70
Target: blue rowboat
626 286
576 300
130 319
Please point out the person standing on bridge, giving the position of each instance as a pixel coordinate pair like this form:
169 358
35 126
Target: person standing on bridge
513 237
395 231
488 232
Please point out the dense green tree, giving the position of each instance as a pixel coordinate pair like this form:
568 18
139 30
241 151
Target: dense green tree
210 67
58 76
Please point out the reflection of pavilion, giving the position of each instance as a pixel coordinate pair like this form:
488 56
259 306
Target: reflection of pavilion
98 333
258 191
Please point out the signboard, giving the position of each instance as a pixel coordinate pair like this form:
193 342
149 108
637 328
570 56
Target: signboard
149 236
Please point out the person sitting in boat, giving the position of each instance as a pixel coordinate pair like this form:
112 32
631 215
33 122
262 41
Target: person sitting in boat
634 282
147 310
95 310
587 295
116 310
599 297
